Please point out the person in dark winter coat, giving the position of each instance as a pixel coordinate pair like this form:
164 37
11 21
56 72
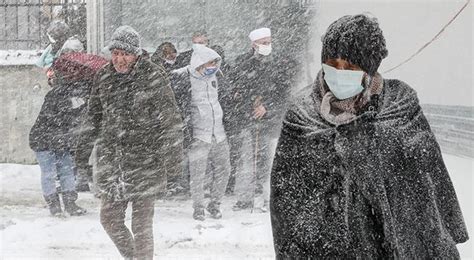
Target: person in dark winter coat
358 173
260 83
225 67
165 55
77 69
136 125
51 137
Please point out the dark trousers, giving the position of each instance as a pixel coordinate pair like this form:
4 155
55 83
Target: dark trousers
256 146
83 169
137 244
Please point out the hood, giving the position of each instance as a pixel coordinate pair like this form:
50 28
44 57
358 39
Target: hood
202 55
72 45
76 66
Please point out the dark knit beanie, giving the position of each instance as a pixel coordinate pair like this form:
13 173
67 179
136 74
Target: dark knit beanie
58 30
127 39
357 39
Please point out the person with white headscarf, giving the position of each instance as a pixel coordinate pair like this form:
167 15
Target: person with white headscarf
260 84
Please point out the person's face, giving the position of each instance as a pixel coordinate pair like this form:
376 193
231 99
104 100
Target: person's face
123 61
200 40
170 55
264 41
342 64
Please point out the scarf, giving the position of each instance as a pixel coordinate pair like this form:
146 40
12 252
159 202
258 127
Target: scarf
340 112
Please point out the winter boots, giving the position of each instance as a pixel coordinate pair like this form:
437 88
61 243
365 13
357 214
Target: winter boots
70 206
69 200
54 204
199 214
84 187
242 205
214 209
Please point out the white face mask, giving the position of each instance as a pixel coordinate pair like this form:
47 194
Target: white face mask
264 50
343 83
171 62
198 45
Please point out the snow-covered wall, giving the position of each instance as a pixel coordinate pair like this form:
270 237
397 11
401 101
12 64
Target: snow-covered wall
22 88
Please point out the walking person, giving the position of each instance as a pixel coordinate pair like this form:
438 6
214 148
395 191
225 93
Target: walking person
198 38
358 173
209 144
51 137
76 69
165 55
136 126
260 84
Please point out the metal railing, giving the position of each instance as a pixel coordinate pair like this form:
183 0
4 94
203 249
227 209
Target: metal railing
23 23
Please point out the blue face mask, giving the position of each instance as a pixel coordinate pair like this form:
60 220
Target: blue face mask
209 71
343 83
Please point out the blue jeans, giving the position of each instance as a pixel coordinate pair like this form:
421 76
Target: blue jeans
54 164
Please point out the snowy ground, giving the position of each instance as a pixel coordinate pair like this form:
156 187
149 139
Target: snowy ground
27 230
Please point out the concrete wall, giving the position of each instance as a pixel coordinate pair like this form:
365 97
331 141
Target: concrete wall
22 89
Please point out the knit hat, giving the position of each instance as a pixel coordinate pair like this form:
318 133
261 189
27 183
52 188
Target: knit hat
357 39
127 39
58 30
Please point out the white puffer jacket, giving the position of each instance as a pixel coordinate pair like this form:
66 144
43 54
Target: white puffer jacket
207 114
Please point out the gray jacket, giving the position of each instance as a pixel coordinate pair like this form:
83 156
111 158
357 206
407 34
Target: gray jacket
206 111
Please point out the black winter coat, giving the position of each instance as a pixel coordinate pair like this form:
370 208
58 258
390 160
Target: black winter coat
184 59
136 122
376 188
155 58
56 126
264 78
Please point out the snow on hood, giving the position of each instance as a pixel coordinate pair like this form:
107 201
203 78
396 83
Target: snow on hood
72 45
202 55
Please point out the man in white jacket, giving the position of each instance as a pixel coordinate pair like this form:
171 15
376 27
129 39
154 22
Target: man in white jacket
209 141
